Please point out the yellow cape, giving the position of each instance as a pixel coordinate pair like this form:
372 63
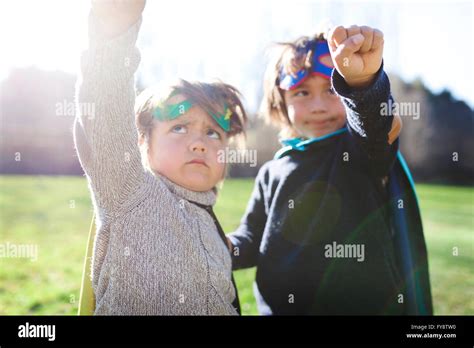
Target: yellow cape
86 297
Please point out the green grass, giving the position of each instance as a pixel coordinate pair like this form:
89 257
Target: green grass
448 221
54 214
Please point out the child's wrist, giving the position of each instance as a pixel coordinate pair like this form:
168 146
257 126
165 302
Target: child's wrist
360 82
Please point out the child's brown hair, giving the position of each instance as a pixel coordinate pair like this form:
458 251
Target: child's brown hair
209 96
289 57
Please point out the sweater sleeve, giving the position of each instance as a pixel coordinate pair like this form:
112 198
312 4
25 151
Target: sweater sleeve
105 135
368 125
246 239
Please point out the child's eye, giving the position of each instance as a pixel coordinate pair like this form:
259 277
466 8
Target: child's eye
179 129
211 133
331 91
301 94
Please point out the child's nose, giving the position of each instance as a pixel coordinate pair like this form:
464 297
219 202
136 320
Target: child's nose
317 105
198 146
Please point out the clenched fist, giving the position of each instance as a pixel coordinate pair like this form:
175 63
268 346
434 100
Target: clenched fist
116 16
356 52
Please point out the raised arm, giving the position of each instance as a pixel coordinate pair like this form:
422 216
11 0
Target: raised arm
117 16
364 87
104 129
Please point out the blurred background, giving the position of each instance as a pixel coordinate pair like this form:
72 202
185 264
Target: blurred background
44 201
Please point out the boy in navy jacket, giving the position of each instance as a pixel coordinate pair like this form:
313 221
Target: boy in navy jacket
333 224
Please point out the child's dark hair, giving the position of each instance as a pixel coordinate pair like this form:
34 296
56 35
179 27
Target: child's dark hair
289 57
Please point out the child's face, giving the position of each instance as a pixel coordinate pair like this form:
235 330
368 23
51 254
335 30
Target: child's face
313 109
185 150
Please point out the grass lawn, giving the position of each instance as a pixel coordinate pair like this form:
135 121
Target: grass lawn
54 213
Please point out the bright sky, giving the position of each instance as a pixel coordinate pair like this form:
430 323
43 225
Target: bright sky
202 39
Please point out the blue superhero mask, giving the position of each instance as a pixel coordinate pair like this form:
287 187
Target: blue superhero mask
320 50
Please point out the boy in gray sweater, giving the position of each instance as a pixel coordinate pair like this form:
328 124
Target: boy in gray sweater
157 249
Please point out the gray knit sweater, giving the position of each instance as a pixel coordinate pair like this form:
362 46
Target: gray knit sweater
155 253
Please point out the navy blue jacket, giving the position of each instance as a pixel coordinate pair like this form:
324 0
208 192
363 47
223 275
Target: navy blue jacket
333 224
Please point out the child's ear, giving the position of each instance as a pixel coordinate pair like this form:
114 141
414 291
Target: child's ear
141 139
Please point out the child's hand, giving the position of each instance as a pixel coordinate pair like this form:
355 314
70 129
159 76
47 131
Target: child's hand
116 16
356 53
229 244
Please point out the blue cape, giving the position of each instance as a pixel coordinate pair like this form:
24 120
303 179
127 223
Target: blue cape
409 241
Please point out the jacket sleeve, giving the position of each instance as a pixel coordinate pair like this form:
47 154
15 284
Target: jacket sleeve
246 239
369 118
